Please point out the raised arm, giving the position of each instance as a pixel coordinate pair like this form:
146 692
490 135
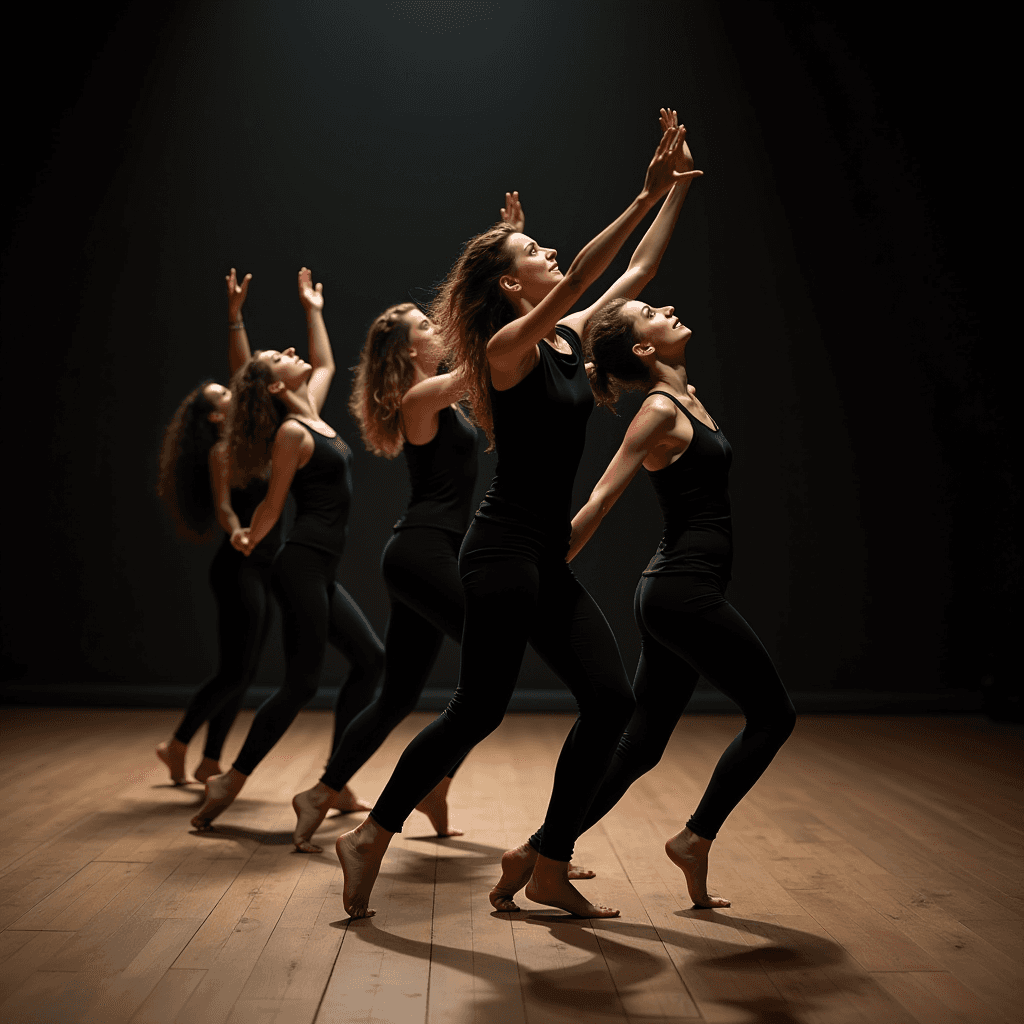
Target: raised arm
647 257
512 344
238 340
285 456
320 356
649 430
423 401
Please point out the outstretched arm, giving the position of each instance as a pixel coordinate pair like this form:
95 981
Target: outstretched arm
320 356
648 430
647 257
238 341
514 342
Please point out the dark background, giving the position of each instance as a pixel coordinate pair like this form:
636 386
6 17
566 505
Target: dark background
827 263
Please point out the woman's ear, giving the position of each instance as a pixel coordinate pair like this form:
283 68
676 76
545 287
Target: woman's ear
276 387
643 351
509 284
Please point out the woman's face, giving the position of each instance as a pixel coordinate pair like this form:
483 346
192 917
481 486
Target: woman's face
658 328
286 366
220 398
536 268
424 344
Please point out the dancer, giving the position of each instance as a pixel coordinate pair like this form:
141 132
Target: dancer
195 484
275 416
402 405
501 310
687 627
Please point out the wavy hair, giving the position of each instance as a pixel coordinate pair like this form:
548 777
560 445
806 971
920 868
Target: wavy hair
184 478
382 376
609 339
253 419
471 308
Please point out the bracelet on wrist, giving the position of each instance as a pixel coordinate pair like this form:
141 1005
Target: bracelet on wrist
236 325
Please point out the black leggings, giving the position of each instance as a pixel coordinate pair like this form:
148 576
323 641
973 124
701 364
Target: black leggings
420 567
315 609
517 594
241 588
677 647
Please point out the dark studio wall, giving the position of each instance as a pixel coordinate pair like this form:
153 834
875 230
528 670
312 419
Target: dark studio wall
835 333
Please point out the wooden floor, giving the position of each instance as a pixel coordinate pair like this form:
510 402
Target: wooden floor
875 874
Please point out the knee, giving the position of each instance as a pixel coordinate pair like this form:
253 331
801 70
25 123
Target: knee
778 722
618 707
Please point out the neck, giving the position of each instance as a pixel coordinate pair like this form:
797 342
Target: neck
299 403
672 377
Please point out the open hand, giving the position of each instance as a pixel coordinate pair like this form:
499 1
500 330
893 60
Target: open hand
512 211
671 162
312 298
236 294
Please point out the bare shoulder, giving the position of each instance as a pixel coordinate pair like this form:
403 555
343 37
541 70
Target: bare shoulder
576 322
290 434
653 419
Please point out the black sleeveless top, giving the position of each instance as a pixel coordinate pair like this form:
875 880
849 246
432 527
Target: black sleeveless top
244 501
694 498
443 474
322 489
540 427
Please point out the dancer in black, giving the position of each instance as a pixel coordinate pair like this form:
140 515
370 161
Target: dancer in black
277 402
503 312
688 628
195 483
402 405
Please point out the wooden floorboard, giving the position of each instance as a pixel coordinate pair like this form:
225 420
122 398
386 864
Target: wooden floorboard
875 873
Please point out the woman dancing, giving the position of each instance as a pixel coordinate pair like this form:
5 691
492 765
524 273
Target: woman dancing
195 484
276 406
687 627
501 311
402 405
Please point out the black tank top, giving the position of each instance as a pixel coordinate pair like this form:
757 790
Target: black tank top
540 427
323 491
694 498
244 501
443 474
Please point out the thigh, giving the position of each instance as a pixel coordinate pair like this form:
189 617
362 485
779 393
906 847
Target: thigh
350 630
570 633
302 578
420 567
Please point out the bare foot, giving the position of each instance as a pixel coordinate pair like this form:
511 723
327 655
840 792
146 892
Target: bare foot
172 754
550 886
576 873
360 852
689 853
311 808
346 802
516 869
221 791
207 769
435 806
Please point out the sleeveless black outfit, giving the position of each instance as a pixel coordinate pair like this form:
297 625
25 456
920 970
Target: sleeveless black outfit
420 566
315 608
688 629
241 588
520 589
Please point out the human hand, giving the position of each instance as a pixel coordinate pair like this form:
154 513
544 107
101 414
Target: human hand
312 298
663 172
512 211
236 294
240 540
668 119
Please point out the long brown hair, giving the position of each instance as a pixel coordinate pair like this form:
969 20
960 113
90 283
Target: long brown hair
471 308
609 340
384 373
184 479
253 419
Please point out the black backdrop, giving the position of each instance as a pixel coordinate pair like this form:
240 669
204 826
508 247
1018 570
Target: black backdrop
823 263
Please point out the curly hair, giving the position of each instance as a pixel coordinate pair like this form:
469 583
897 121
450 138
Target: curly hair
609 340
384 373
184 478
253 419
471 308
